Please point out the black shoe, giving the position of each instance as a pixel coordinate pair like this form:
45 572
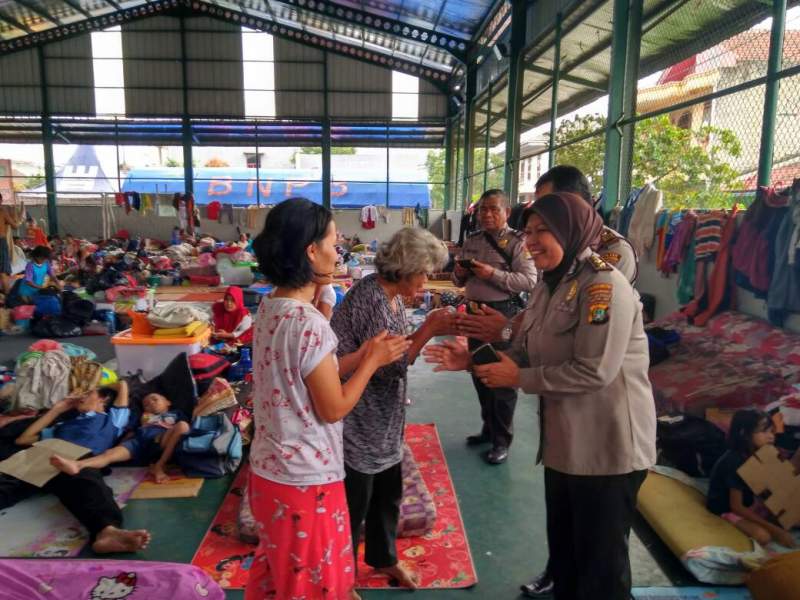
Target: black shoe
497 455
477 440
540 587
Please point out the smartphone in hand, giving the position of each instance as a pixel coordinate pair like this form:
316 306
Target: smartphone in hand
465 263
485 355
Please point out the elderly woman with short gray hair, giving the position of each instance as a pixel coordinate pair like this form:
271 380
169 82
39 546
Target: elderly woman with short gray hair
373 431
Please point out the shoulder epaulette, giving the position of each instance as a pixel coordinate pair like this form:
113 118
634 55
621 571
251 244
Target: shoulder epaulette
474 233
517 233
598 264
607 236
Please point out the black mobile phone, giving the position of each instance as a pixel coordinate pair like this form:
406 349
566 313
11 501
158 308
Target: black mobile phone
485 355
465 263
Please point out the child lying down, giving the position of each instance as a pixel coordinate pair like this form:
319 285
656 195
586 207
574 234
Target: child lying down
152 443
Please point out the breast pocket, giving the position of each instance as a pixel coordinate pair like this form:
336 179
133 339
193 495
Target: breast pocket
561 322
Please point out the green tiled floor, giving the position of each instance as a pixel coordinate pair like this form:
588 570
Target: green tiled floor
502 506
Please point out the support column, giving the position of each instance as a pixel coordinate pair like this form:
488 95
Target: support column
472 82
47 147
616 95
551 152
186 125
516 65
326 138
771 92
448 162
634 47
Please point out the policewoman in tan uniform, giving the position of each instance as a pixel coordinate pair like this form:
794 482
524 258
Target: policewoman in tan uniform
581 346
500 269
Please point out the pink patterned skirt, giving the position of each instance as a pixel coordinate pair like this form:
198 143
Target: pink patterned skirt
304 550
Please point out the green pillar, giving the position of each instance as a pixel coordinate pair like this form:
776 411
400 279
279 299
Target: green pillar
448 162
47 147
326 138
551 153
186 124
616 94
629 96
771 92
514 111
469 107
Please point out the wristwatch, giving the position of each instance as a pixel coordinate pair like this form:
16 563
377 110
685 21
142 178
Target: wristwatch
505 334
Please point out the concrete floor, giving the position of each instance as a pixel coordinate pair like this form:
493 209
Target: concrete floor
502 506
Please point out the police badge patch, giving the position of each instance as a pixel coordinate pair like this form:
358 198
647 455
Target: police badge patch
599 299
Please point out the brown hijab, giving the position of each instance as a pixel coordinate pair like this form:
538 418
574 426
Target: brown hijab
573 222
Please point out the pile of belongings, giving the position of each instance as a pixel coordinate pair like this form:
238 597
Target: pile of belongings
178 320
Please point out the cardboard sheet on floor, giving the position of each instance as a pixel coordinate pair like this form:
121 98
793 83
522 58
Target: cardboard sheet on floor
176 487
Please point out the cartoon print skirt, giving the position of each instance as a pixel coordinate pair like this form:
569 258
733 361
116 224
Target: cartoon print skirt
304 550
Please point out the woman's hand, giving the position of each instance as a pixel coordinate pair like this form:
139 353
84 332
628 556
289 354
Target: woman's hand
384 349
486 324
503 374
65 404
440 322
482 270
448 356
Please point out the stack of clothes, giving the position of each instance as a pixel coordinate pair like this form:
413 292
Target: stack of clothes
178 320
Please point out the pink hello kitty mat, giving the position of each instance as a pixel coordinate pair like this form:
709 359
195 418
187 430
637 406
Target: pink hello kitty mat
46 579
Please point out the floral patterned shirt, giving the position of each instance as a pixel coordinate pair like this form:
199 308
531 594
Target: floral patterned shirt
292 445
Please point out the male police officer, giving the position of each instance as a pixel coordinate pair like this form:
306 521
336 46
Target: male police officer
495 268
614 248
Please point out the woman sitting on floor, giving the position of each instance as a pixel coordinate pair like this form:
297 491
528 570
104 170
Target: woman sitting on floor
231 319
85 494
39 274
373 431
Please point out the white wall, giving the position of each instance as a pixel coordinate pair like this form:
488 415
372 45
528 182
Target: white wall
85 221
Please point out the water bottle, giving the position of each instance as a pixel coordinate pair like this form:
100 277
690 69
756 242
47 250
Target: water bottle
242 367
111 321
426 300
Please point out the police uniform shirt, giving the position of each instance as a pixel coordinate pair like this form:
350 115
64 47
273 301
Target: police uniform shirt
618 252
584 351
504 283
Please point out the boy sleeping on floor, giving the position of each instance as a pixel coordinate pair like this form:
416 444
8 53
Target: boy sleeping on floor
153 442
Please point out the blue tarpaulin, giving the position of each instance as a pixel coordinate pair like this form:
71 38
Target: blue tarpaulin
243 186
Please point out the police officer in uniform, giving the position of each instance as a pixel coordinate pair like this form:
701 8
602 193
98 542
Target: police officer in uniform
495 267
580 345
614 248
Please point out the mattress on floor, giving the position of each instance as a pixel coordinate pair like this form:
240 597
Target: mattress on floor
677 513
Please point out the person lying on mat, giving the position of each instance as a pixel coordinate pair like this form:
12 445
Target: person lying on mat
373 431
86 495
153 443
231 319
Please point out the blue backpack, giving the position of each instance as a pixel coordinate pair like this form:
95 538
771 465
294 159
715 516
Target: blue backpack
213 447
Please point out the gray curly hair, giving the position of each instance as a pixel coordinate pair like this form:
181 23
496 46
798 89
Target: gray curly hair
410 252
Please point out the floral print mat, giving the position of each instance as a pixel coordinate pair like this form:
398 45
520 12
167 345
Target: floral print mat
442 557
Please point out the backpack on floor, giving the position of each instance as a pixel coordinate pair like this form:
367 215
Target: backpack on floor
213 447
690 444
205 367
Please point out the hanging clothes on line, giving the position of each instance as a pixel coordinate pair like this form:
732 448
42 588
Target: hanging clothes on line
784 290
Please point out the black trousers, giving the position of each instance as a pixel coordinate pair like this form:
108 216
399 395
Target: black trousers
374 501
588 524
85 495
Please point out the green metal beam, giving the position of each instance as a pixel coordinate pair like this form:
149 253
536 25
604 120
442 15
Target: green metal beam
469 107
551 153
514 102
326 138
592 85
634 47
448 161
186 124
47 147
771 93
616 96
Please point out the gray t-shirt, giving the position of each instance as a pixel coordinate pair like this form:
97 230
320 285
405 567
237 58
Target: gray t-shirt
373 431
